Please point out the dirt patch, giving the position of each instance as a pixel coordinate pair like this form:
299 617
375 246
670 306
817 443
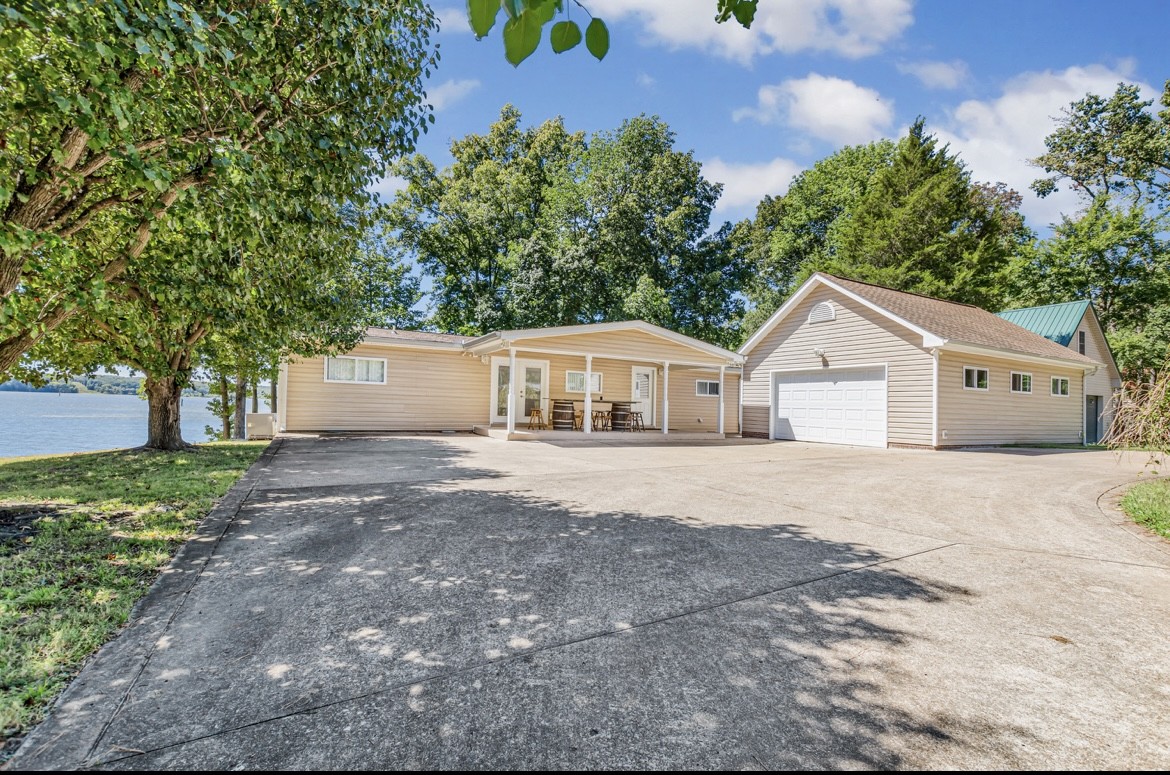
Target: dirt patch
18 521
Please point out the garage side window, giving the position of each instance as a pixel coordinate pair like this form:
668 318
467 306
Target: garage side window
1021 382
350 368
706 387
1060 386
974 378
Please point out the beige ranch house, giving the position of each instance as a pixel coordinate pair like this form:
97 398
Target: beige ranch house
841 362
508 384
852 363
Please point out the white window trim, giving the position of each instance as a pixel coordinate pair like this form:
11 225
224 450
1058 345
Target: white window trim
1053 392
385 370
709 382
1012 387
978 369
597 375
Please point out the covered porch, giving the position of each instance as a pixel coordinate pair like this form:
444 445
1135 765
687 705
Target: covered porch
629 379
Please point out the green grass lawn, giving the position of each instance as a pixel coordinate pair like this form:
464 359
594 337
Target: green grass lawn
82 537
1148 503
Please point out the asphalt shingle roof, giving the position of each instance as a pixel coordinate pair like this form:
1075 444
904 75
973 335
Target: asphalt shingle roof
415 336
960 322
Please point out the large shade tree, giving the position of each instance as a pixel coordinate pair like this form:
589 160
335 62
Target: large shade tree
208 288
540 226
114 111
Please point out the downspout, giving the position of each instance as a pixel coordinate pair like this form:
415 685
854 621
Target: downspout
742 375
934 401
282 398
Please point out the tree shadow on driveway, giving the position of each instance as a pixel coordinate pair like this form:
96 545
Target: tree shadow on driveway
439 624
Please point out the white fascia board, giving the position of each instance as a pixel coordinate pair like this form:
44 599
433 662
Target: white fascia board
1012 355
516 337
929 339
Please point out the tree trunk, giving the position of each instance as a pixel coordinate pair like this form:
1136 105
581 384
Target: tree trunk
272 394
164 432
256 396
225 409
241 406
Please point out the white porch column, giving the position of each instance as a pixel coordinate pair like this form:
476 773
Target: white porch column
665 397
511 390
587 417
721 399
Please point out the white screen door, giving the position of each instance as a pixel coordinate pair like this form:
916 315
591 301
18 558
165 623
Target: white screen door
642 392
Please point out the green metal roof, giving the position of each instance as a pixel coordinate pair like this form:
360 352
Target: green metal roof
1057 322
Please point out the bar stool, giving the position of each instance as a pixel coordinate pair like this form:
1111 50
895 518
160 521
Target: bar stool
600 420
536 419
636 422
579 420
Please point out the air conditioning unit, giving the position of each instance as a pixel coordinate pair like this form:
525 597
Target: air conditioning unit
259 425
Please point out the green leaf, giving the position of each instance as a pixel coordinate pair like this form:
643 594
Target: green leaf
564 36
545 9
521 37
745 12
482 15
597 39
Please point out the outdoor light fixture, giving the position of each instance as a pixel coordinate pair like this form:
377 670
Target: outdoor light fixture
819 352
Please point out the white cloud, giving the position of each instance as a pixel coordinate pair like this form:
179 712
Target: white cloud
744 185
387 187
828 108
850 28
449 92
997 137
937 75
452 19
645 80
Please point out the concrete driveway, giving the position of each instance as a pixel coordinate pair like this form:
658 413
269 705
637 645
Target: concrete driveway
460 602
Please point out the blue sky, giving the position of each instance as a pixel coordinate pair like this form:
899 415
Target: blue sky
758 106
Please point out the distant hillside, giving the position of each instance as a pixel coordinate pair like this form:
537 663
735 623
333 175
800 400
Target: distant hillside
110 384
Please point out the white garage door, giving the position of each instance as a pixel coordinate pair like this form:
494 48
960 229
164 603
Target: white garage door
839 406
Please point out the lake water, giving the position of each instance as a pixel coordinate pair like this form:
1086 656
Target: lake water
47 423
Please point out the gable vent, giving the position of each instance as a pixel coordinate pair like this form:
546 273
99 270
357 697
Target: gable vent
822 312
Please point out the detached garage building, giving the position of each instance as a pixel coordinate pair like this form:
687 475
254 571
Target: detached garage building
852 363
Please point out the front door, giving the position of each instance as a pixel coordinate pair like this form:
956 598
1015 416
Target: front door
1092 419
533 388
642 392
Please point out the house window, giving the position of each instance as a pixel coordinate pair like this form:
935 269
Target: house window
1081 341
1021 382
822 312
706 387
575 382
974 378
351 368
1060 386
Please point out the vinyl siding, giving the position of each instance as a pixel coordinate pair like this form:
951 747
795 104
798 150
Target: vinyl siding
998 416
425 390
625 344
689 412
1106 381
858 336
447 390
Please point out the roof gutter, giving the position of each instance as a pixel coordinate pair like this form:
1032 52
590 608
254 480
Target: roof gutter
974 349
